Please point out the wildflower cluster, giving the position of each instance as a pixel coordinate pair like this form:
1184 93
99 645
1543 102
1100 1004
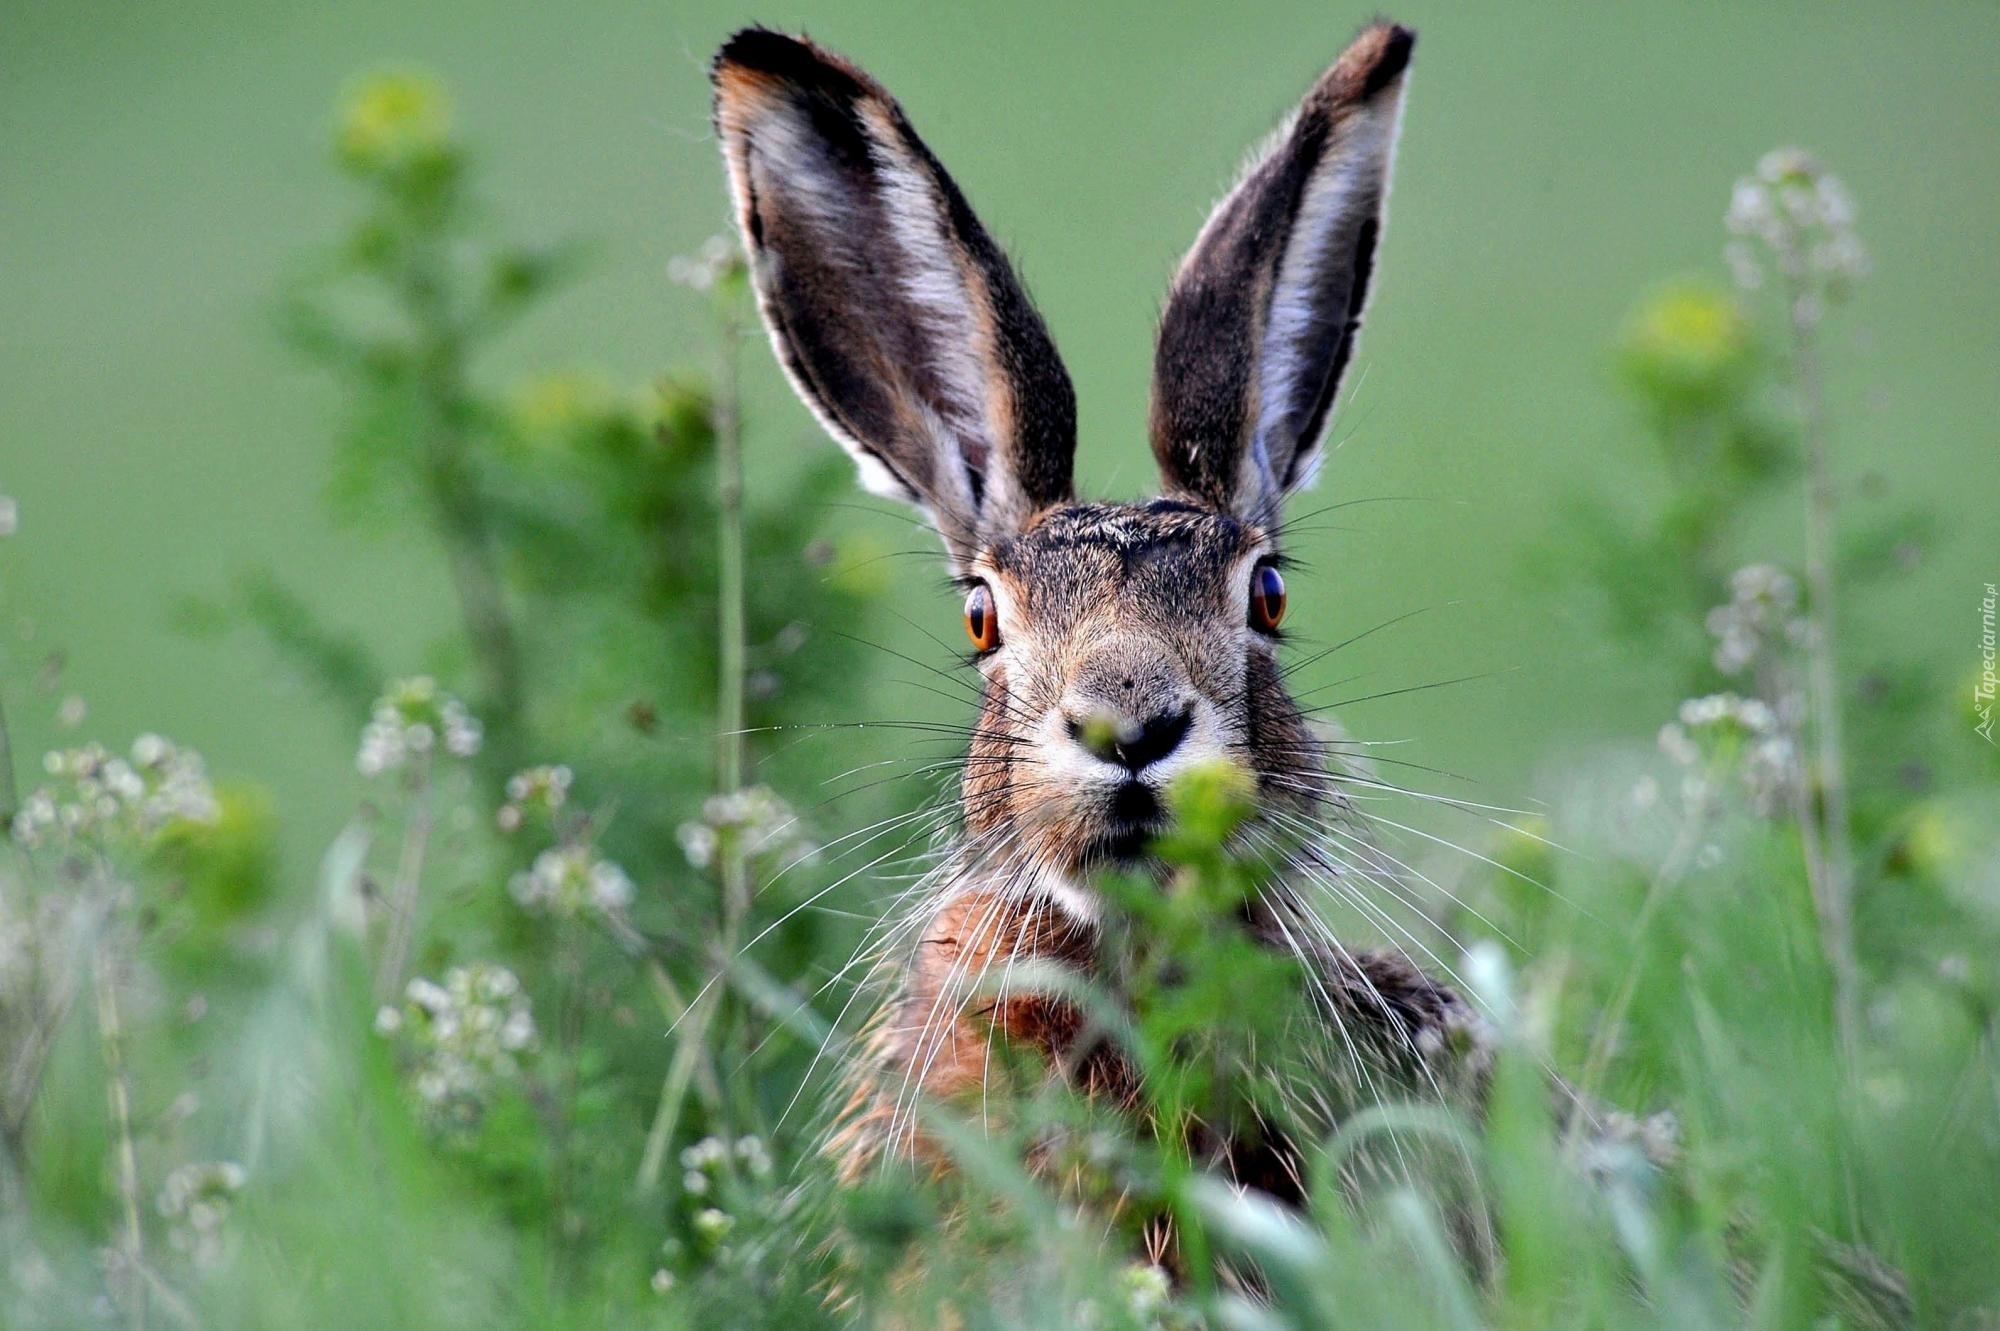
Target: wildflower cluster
569 879
1798 217
708 1160
1760 621
543 790
756 822
1689 346
394 122
410 721
1723 732
95 795
467 1037
195 1202
737 1223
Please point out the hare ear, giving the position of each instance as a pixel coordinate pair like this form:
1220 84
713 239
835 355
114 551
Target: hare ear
1265 309
896 316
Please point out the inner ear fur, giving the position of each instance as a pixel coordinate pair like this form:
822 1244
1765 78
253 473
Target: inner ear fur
896 316
1265 311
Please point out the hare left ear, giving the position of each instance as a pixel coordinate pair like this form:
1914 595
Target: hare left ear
897 317
1265 310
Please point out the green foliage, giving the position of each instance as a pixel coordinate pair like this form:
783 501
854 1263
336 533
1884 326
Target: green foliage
542 1045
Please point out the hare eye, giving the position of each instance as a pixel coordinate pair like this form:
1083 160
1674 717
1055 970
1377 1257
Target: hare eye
982 621
1267 599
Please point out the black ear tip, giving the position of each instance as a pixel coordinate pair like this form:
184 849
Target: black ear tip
1394 44
764 50
763 55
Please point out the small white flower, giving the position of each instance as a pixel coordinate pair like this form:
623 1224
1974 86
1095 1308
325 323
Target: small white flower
1724 731
708 1153
1760 620
465 1037
107 799
755 821
702 270
406 723
462 734
698 843
572 878
429 996
1674 742
1802 219
755 1159
196 1200
517 1032
536 788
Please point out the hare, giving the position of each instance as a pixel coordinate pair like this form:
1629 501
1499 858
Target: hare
1118 643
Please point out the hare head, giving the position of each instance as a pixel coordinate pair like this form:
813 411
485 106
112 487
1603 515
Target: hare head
1119 642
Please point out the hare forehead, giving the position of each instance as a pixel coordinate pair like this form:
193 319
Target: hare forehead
1083 559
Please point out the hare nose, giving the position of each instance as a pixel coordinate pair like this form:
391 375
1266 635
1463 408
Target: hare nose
1133 747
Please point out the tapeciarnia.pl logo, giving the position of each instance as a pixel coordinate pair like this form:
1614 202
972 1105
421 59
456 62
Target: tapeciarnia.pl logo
1982 692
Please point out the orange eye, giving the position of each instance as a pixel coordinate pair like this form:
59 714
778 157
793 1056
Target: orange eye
982 621
1267 599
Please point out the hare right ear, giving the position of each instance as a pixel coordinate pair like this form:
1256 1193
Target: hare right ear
896 316
1265 310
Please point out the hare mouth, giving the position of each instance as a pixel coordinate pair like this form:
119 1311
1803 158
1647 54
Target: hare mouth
1131 818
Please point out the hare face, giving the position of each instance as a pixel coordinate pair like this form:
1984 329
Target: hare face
1127 650
1120 643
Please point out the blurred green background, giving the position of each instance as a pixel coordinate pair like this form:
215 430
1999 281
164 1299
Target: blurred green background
164 163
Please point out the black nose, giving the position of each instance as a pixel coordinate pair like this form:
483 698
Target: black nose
1156 738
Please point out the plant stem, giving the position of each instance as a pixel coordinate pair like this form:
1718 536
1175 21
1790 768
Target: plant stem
118 1093
692 1055
10 794
569 1031
457 506
1833 883
673 1092
23 1085
731 648
675 1009
403 894
731 654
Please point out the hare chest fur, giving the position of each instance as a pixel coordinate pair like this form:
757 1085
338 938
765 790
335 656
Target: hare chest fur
1117 644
